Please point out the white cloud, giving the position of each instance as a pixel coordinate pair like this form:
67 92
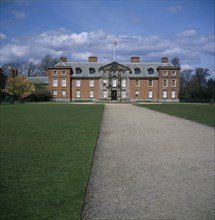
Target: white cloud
19 15
189 46
2 36
174 9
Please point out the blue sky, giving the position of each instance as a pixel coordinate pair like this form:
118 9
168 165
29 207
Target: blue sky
77 29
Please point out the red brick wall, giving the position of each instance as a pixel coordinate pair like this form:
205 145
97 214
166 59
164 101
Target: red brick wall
85 89
59 76
169 78
143 88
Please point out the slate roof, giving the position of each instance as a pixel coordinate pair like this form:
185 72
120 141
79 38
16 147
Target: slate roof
85 66
39 80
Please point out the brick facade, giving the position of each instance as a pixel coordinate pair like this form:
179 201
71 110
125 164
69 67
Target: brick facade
133 81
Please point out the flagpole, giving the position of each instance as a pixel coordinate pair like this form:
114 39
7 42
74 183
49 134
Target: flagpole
114 50
114 53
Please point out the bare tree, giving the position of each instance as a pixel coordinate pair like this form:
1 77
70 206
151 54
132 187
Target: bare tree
175 62
46 62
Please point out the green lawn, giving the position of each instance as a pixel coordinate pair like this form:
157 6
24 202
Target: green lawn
46 154
201 113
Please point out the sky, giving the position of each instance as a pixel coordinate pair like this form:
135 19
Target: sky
30 29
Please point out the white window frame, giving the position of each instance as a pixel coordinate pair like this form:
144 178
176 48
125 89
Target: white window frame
173 84
78 94
137 83
166 82
91 83
63 82
173 94
165 72
63 72
78 83
124 81
114 83
55 82
150 94
123 94
104 82
55 93
91 94
164 94
55 72
137 94
63 93
173 72
104 93
150 80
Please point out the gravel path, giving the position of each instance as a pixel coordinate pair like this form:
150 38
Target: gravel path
149 165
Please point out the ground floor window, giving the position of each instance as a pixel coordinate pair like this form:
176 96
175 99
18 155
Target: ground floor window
91 94
55 93
78 94
123 94
173 94
164 94
150 94
104 94
63 93
137 94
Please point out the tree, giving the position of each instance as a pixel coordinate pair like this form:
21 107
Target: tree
46 62
211 89
40 94
200 76
2 83
175 62
19 86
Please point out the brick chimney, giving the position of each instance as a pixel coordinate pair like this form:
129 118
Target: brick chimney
63 59
135 59
164 60
92 59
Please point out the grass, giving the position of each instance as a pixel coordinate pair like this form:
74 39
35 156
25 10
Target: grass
46 154
201 113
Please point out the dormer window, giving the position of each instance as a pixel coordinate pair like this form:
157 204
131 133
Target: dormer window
150 71
78 70
137 70
91 70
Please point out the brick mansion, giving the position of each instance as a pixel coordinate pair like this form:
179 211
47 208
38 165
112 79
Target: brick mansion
115 81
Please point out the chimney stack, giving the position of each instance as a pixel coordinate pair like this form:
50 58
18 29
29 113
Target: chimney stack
135 59
164 60
92 59
63 59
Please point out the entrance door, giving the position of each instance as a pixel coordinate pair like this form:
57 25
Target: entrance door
114 95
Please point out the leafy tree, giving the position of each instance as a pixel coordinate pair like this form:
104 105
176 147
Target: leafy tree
175 62
195 87
19 86
211 89
40 94
2 83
